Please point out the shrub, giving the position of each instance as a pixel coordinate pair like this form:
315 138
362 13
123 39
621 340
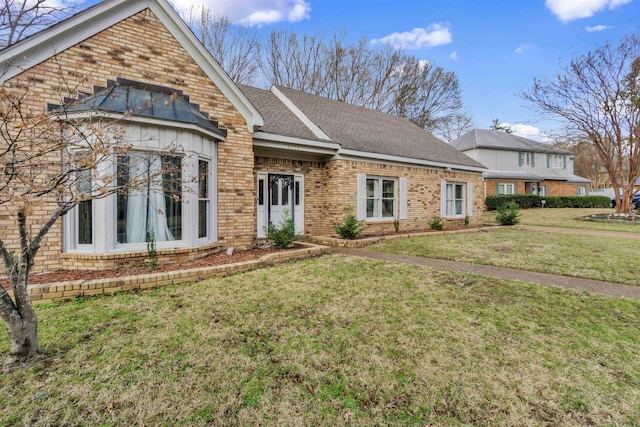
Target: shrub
436 223
351 226
527 201
283 234
508 214
396 225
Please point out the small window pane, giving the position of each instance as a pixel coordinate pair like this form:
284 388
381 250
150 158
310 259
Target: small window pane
388 189
387 208
85 222
371 187
458 207
273 190
261 192
203 209
285 194
458 191
203 179
370 208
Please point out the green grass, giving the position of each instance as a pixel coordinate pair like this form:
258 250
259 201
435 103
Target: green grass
334 341
608 259
569 218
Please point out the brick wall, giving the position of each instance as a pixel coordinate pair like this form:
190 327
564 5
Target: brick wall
555 188
330 186
140 48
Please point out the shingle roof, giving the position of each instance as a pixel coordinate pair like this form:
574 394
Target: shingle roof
278 119
361 129
485 138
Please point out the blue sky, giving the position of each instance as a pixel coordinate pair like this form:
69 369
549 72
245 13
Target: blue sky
495 47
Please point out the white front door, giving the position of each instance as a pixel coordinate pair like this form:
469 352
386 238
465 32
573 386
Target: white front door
279 195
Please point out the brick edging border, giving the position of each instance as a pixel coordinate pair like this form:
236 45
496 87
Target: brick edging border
62 291
361 243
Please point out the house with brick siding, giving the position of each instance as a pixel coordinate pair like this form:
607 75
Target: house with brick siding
517 165
249 156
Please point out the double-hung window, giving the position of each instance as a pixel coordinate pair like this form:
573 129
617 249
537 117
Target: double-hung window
505 188
381 197
85 208
203 198
455 203
526 159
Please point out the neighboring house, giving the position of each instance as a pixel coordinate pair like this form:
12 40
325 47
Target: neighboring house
256 153
517 165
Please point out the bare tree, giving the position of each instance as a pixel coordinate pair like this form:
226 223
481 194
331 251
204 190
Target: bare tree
598 97
20 18
51 163
458 125
429 96
295 62
234 47
382 79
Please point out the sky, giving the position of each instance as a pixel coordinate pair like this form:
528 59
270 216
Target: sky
496 47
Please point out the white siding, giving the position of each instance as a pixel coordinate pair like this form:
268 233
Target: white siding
508 160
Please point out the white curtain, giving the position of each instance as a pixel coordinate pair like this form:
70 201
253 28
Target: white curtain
146 206
157 213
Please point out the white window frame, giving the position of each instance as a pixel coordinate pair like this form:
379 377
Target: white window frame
505 186
451 202
556 161
378 197
525 158
581 191
467 200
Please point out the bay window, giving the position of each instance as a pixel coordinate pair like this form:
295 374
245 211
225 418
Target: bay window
203 198
150 205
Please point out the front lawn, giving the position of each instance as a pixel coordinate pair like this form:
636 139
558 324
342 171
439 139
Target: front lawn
569 218
334 341
589 257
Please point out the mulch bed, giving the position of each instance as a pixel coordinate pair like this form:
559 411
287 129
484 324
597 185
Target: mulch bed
217 258
627 219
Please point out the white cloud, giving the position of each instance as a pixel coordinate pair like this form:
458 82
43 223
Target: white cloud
251 12
523 48
419 38
597 28
568 10
454 56
528 131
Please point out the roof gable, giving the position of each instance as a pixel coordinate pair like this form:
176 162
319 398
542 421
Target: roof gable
47 43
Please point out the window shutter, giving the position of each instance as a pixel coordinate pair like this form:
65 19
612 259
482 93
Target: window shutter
548 160
361 210
469 199
577 191
403 199
520 159
497 188
564 162
586 191
533 160
443 198
515 188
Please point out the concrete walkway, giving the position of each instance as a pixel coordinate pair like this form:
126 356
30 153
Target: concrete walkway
607 288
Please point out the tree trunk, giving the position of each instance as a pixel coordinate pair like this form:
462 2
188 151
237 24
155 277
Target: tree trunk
24 351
